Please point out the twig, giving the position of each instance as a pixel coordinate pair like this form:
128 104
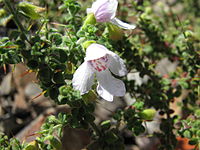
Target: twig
95 128
15 18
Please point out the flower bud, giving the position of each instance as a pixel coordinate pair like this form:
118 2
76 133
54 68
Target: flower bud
147 114
2 12
30 10
90 19
115 33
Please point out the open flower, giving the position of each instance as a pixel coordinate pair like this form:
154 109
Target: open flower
100 61
105 11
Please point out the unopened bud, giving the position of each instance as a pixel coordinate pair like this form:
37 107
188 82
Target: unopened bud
115 33
90 19
2 12
147 114
30 10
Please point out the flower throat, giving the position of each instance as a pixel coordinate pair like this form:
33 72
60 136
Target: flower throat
100 64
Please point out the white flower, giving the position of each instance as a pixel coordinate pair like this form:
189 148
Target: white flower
105 11
100 61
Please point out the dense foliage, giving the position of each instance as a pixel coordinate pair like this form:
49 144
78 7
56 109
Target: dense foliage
49 41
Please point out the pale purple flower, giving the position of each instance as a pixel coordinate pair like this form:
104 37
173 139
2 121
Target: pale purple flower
105 11
100 61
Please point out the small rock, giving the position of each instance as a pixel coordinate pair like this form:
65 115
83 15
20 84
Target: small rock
32 89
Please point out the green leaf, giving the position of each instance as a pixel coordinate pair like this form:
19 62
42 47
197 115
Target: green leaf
58 78
56 38
89 117
110 137
184 84
138 105
187 134
193 141
53 93
32 64
197 113
105 125
32 146
56 143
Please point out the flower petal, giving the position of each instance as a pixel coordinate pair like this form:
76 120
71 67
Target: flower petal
104 10
96 5
113 6
116 64
95 51
89 10
104 93
83 78
122 24
109 86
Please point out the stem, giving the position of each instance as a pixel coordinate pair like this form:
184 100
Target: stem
40 28
95 128
172 13
145 124
169 133
189 46
15 18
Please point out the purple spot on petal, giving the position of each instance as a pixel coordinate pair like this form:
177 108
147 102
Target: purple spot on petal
99 64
